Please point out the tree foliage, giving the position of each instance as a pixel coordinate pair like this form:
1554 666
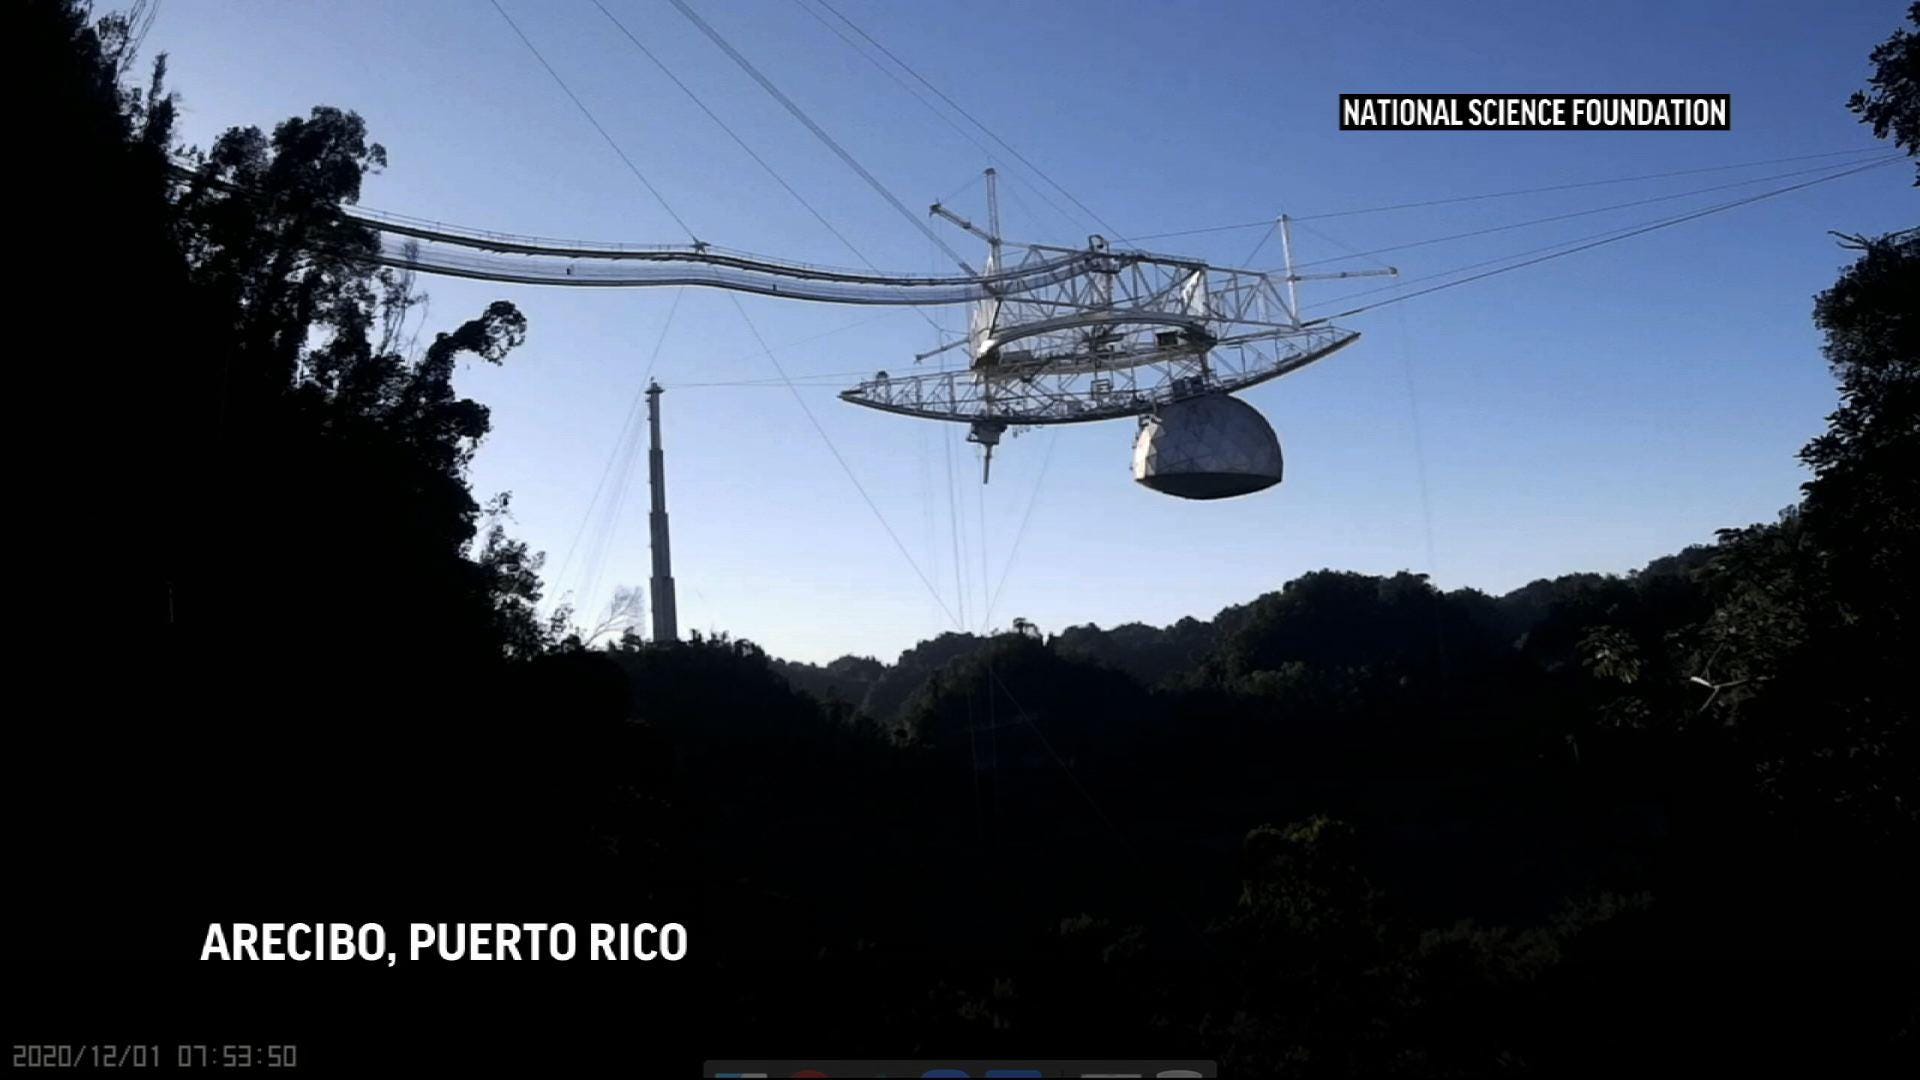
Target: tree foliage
1891 103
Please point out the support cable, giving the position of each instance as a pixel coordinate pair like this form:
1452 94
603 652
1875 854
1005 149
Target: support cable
1257 248
986 567
629 430
944 118
1020 534
1018 156
588 113
1606 238
610 526
742 144
1419 453
1515 192
953 526
1352 254
835 451
751 327
820 133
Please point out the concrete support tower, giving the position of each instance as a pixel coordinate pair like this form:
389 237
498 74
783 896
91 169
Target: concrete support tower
666 619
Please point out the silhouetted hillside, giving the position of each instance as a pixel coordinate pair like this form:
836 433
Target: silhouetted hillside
281 662
1315 620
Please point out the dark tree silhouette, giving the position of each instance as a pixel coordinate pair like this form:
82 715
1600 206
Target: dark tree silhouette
285 663
1892 101
1864 499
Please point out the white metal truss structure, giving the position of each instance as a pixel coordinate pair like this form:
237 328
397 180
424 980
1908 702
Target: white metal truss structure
1062 335
1129 334
1083 386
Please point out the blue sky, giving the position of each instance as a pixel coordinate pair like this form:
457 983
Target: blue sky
1589 413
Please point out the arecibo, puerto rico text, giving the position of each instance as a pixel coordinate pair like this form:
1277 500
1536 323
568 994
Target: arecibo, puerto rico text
368 942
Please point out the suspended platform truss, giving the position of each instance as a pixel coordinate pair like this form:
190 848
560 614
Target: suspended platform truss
1057 335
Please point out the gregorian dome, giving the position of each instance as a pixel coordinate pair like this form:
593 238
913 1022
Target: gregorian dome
1214 446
